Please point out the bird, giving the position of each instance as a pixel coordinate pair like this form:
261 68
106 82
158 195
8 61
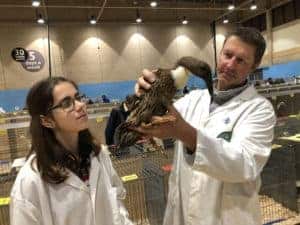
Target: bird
155 101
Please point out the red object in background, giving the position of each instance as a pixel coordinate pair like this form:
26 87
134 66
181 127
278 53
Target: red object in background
167 167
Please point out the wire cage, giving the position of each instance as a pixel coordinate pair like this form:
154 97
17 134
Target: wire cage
278 195
145 178
14 142
7 178
145 173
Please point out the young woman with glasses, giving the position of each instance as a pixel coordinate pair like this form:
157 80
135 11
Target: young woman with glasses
67 179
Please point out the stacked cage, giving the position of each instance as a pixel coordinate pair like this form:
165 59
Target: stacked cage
278 196
14 143
145 178
6 183
130 171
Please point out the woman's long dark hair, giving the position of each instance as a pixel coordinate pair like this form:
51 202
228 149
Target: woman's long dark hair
52 158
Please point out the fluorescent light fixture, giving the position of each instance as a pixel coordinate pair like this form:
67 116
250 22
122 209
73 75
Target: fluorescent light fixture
225 20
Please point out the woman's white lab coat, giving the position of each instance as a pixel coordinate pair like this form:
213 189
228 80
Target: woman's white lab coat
219 184
35 202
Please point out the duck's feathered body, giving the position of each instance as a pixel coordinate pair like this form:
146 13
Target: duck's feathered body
155 101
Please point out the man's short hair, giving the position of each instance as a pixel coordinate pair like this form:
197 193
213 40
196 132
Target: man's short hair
252 37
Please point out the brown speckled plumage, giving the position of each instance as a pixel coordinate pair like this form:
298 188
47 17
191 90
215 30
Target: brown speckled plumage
158 97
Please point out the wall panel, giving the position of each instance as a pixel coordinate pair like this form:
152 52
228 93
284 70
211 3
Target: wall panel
30 37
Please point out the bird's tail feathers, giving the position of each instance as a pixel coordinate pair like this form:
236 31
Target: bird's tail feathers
124 136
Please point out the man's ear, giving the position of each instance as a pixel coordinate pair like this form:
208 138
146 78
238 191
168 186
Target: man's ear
255 66
47 122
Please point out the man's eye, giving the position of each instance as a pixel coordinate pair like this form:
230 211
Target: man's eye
228 55
240 61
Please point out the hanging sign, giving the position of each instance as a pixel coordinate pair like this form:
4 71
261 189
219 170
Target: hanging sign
35 61
19 54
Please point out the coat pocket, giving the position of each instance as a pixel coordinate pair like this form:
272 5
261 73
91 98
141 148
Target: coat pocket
239 204
114 206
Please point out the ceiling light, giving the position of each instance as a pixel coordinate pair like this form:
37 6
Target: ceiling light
138 17
225 20
93 20
40 19
36 3
153 4
231 7
139 20
253 6
184 21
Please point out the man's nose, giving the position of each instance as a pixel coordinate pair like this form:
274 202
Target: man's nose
231 63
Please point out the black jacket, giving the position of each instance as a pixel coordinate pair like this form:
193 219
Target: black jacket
117 116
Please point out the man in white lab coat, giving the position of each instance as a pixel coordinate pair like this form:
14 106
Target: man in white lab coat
223 142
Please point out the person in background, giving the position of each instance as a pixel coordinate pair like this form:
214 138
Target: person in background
88 100
223 142
282 114
185 90
67 178
105 99
282 109
116 117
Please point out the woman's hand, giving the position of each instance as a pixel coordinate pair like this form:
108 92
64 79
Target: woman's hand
172 125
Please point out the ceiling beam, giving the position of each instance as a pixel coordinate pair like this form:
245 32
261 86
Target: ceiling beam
124 7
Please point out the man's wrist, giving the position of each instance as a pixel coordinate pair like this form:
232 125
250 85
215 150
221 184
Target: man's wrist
189 137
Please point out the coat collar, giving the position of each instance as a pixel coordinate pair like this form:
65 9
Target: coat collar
74 181
245 95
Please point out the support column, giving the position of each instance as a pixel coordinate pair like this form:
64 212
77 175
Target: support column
269 37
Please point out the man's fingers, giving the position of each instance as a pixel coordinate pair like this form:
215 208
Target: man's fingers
149 75
162 119
144 82
137 90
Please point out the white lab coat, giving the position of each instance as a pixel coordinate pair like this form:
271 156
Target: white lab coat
219 184
35 202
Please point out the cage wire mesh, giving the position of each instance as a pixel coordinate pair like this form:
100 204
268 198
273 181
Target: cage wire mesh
145 175
278 195
145 178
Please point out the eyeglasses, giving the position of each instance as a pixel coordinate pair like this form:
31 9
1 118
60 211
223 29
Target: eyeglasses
68 103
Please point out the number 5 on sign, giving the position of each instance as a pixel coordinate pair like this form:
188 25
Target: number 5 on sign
31 56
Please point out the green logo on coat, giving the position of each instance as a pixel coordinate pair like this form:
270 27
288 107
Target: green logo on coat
225 135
